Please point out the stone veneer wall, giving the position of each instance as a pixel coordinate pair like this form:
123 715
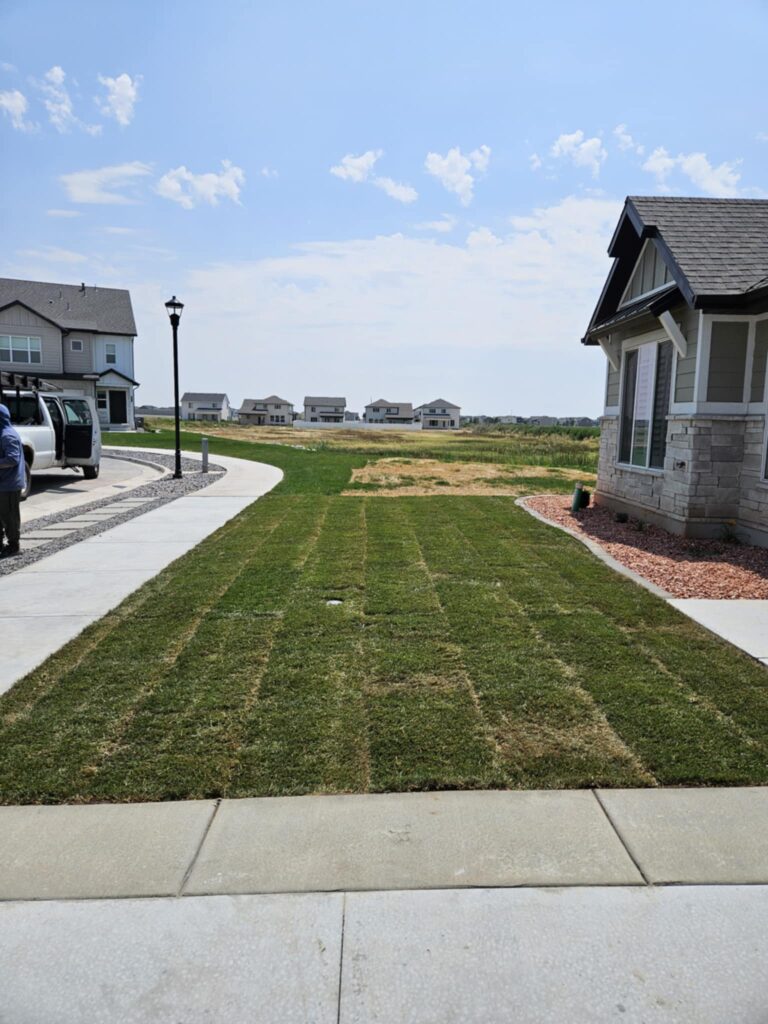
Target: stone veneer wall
711 476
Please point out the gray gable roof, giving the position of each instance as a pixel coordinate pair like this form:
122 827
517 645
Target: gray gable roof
716 251
720 245
203 396
438 401
72 306
324 401
249 403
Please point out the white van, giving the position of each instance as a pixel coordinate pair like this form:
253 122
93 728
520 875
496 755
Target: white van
57 429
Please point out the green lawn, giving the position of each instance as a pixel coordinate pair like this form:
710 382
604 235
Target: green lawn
473 647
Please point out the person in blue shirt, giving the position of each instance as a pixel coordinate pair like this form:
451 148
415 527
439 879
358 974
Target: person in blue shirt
12 481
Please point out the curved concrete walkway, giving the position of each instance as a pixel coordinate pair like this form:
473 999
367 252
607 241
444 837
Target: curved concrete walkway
47 604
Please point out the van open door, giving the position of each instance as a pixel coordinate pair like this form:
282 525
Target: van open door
78 430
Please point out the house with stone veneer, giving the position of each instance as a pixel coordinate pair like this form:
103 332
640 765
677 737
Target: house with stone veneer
683 322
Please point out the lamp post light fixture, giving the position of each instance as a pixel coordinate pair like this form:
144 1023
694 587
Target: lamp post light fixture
174 308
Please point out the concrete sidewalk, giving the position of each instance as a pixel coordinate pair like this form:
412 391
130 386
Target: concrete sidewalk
677 955
46 604
474 907
388 841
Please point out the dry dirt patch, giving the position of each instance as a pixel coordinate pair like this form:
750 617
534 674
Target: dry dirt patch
401 476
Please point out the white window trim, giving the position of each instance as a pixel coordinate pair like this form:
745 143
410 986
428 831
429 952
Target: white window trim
76 341
624 301
649 338
29 338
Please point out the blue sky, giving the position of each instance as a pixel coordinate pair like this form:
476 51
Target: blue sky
405 201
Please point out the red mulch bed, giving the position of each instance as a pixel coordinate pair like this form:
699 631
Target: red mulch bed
681 566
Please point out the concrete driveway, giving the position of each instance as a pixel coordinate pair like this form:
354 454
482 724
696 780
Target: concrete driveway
56 490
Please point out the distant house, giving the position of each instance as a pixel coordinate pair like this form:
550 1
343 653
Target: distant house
351 417
683 322
201 405
388 412
272 411
438 415
79 338
542 421
324 410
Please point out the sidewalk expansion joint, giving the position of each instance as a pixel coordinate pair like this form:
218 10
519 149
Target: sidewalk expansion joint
604 809
191 865
341 956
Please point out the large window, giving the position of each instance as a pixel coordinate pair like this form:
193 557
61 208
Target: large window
16 349
644 405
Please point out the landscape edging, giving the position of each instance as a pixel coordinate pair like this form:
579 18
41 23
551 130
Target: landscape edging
596 550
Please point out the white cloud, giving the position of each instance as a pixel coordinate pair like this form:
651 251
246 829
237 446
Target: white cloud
189 190
62 213
443 226
268 172
762 137
14 105
453 170
582 152
58 103
625 140
722 180
396 190
122 93
6 66
535 161
50 254
358 169
379 294
100 185
110 230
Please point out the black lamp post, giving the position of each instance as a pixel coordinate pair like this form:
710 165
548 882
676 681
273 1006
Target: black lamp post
174 308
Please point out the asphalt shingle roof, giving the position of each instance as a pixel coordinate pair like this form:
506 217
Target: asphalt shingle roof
721 245
202 396
250 403
324 401
71 307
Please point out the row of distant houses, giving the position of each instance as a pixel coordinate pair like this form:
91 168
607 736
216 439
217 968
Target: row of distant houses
534 421
320 409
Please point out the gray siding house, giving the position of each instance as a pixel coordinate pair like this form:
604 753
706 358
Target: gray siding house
272 411
683 322
78 338
438 415
388 412
324 410
203 405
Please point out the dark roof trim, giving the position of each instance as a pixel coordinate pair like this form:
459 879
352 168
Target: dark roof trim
117 373
653 305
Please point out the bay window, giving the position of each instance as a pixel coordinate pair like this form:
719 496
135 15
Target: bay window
644 405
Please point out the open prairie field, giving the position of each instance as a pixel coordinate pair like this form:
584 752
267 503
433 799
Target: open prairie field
324 642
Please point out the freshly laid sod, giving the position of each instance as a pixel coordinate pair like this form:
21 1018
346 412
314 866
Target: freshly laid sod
330 643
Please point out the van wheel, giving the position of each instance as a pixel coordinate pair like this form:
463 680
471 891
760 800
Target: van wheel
90 472
27 482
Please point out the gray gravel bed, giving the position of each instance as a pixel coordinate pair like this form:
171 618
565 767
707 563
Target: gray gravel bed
162 490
